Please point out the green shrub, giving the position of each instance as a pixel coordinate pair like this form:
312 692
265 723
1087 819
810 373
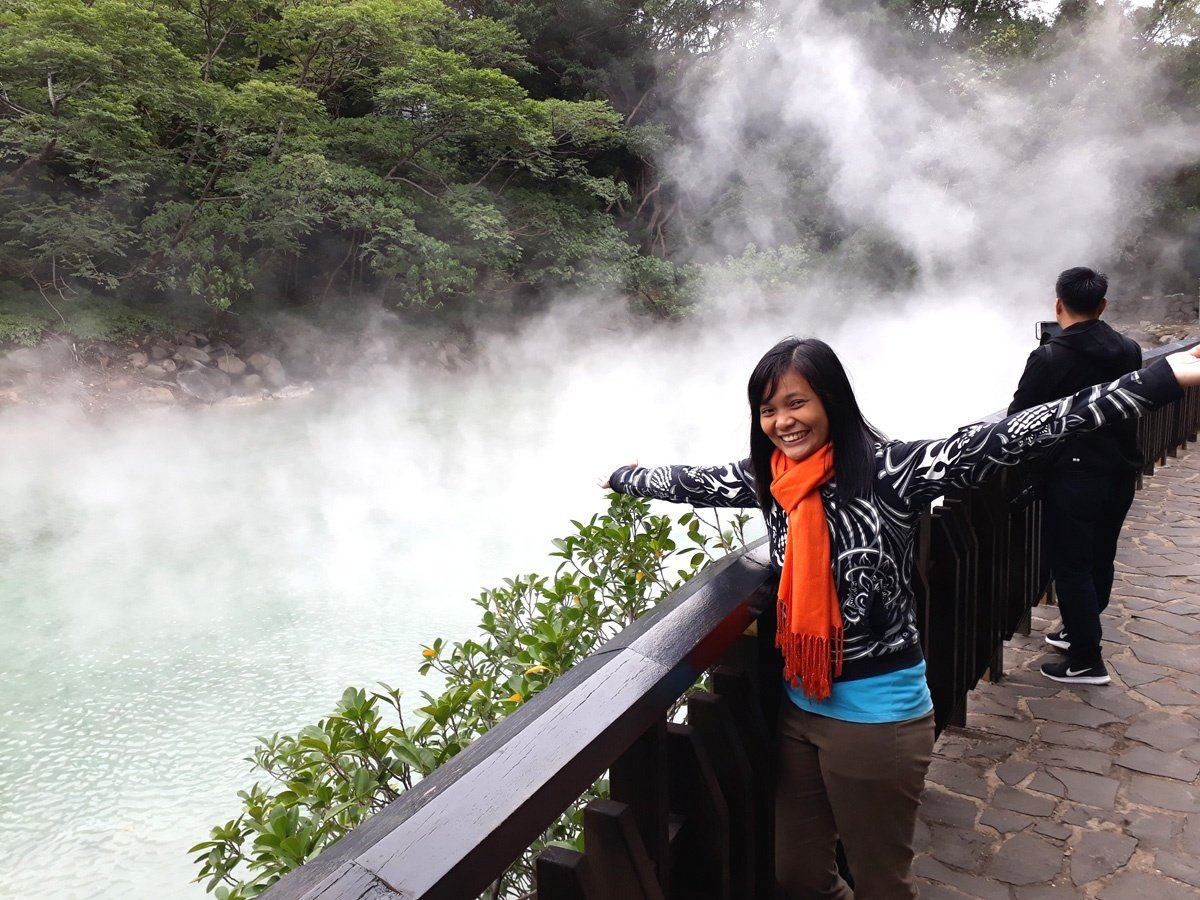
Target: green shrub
329 777
99 320
19 328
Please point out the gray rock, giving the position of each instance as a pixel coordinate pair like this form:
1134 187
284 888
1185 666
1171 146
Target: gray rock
1026 859
1015 771
192 355
1168 655
259 361
1053 733
1073 758
274 375
1157 631
1018 729
1116 702
1023 802
1189 839
1100 853
1153 829
1155 762
1088 789
948 809
931 890
1181 624
1070 712
965 850
230 364
1140 886
1167 693
1165 794
971 885
1164 732
1005 821
1045 892
958 778
206 385
152 393
1055 830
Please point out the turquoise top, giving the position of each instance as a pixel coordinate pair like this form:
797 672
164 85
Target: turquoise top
891 697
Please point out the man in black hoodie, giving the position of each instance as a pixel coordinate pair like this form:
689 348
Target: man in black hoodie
1087 484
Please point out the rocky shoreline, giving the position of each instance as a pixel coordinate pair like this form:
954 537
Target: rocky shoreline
198 369
229 369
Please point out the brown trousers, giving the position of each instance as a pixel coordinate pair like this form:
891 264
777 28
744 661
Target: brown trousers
859 782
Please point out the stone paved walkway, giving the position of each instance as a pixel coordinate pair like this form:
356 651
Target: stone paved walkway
1056 791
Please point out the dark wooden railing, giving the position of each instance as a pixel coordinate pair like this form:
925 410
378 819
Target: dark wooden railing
689 814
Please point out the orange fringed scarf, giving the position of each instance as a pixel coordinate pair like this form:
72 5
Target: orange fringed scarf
810 620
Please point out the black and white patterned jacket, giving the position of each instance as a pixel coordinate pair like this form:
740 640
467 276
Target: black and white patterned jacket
872 538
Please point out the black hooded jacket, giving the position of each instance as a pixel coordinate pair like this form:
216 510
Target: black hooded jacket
1084 354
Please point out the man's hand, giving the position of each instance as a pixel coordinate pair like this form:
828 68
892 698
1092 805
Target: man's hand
1186 366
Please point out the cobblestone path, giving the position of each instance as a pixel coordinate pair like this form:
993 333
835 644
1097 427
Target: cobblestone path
1058 791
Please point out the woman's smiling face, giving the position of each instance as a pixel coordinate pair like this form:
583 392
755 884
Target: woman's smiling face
794 417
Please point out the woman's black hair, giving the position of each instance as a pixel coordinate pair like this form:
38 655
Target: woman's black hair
852 436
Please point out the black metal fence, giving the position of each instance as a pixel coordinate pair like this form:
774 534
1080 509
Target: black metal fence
689 814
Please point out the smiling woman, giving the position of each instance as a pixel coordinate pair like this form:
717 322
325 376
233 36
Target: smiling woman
794 418
841 503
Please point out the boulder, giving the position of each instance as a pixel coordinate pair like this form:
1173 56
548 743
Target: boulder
154 393
206 385
259 361
192 355
230 364
274 375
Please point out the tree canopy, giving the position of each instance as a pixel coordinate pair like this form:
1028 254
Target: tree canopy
426 153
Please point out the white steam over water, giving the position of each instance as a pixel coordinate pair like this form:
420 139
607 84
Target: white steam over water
173 583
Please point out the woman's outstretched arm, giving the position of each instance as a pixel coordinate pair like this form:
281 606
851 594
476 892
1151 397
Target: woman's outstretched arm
1186 366
727 486
922 470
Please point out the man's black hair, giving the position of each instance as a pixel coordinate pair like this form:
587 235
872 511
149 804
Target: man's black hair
1081 290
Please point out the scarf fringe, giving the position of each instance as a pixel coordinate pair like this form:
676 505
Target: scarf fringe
809 661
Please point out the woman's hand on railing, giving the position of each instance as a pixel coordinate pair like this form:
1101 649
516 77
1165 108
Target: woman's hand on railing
1186 366
604 483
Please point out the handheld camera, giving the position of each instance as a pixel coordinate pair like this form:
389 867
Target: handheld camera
1047 330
